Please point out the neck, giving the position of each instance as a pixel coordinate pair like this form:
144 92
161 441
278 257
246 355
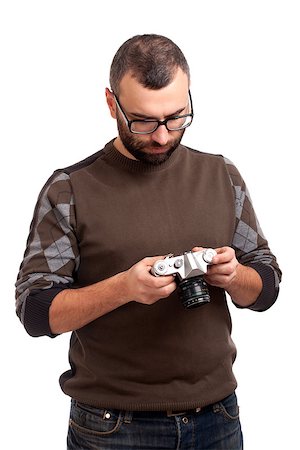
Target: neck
118 144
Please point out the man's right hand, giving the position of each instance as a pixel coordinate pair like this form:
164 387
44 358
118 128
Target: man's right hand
74 308
142 287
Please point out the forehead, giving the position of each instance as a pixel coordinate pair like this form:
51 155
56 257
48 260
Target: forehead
157 103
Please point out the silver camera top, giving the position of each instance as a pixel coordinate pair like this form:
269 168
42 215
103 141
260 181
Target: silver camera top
190 264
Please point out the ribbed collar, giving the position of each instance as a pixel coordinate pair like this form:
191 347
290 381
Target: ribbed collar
113 156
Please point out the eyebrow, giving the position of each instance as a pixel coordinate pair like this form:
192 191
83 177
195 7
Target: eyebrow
143 116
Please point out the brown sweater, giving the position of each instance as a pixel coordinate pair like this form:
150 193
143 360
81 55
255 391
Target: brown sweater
102 215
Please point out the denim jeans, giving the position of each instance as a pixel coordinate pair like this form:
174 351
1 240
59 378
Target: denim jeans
212 428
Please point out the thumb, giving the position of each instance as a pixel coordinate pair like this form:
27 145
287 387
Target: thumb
150 260
197 249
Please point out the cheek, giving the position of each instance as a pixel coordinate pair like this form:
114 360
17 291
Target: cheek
142 141
176 136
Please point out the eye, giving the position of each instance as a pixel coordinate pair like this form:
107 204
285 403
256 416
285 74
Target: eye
143 126
177 123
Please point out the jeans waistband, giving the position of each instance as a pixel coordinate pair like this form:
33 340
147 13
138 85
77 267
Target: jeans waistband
128 416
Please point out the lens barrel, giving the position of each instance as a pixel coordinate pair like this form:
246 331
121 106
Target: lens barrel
193 292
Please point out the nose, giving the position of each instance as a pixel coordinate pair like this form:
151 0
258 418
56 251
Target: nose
161 135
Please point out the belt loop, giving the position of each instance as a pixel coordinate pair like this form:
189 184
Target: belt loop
216 407
128 416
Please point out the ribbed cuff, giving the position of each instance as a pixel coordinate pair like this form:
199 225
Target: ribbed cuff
36 317
269 291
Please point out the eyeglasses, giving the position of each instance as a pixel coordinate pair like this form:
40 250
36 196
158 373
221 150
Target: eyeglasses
148 126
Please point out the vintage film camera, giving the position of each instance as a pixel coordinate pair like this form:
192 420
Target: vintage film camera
189 269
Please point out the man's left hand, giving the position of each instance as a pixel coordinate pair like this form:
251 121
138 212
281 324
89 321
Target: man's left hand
224 267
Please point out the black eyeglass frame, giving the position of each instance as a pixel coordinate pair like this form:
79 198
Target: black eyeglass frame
158 122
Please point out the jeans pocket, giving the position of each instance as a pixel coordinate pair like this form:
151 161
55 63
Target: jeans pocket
228 408
94 421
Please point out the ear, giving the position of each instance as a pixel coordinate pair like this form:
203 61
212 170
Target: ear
110 100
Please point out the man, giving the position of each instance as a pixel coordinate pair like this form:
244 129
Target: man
145 372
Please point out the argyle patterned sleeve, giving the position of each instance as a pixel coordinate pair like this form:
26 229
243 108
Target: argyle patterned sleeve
250 244
51 255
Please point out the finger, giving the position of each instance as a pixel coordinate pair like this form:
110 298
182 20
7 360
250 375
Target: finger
221 269
167 290
219 280
159 282
224 255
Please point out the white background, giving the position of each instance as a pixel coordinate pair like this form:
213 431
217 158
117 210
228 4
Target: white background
244 60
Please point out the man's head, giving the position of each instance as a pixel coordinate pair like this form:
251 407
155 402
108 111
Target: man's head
150 81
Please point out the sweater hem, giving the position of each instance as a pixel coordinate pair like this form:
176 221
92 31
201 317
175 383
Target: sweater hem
157 406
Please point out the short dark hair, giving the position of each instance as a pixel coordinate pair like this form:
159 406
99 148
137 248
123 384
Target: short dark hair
152 59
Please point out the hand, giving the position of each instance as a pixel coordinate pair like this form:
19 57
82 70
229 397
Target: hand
142 287
224 268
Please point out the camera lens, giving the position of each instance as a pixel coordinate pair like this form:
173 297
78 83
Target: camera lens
193 292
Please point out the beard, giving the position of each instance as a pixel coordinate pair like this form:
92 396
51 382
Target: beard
142 150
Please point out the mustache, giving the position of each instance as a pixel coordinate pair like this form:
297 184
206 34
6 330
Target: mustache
152 144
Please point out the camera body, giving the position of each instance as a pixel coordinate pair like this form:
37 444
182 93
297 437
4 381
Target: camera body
189 269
